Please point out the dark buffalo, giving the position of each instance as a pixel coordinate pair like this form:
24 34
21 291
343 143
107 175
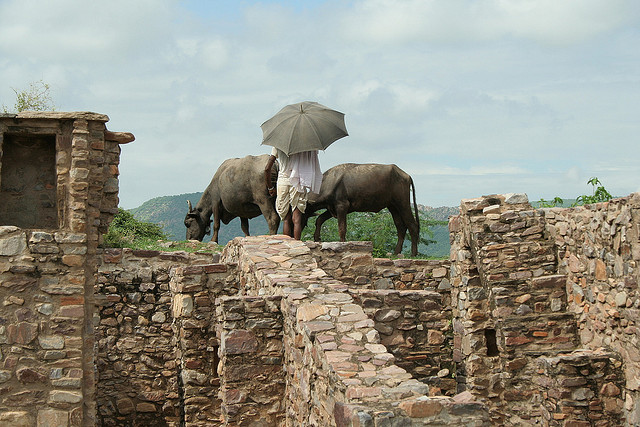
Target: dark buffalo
352 187
236 190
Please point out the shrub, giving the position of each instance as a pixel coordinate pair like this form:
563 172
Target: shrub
377 228
127 232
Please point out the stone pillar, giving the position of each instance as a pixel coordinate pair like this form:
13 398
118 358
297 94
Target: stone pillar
252 381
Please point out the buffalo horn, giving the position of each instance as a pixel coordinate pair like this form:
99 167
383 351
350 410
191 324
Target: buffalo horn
190 207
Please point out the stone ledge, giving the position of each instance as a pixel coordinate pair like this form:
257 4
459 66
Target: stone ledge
58 115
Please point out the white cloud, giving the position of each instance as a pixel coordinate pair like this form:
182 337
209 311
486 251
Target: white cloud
457 21
65 29
469 97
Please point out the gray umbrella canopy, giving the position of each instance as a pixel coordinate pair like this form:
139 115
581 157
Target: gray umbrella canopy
304 126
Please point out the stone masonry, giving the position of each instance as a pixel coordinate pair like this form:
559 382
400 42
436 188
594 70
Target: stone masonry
520 345
532 320
52 217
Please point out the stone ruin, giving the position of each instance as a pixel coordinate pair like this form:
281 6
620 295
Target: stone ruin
532 321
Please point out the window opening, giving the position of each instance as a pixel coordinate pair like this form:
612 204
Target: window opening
28 197
492 344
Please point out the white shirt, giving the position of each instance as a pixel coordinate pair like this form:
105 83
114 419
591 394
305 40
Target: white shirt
300 170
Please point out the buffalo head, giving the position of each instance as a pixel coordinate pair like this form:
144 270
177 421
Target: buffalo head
197 226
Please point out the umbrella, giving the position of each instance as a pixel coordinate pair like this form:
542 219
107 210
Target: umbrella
304 126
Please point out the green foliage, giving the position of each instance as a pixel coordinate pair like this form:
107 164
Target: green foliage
378 228
557 201
599 194
36 98
127 232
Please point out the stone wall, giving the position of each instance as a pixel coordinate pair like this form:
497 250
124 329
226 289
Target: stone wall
533 320
47 268
337 371
599 252
252 387
415 327
516 343
324 334
157 349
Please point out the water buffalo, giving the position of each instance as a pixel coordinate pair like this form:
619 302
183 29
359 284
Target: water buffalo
351 187
236 190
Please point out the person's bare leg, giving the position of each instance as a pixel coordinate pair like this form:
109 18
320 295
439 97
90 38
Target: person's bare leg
287 224
297 224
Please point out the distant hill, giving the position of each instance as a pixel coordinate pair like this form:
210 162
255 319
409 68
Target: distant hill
170 211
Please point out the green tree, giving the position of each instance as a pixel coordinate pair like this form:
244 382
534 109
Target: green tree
36 98
127 232
377 228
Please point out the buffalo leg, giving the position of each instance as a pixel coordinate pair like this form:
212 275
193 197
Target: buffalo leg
244 224
342 225
414 229
414 232
319 221
401 228
216 224
272 217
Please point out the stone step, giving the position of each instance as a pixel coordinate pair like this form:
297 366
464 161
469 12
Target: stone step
537 333
538 295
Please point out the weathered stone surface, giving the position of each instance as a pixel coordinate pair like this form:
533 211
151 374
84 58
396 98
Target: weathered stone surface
13 244
29 376
239 342
17 419
307 312
182 305
22 333
387 315
53 418
54 342
421 408
59 396
125 406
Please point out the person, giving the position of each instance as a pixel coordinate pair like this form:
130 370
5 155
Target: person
299 175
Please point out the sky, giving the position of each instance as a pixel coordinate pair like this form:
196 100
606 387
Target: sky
470 97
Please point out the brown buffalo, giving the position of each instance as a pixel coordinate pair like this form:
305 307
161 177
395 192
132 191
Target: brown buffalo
236 190
352 187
